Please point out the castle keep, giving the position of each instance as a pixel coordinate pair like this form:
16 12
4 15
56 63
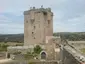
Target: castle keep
38 23
38 30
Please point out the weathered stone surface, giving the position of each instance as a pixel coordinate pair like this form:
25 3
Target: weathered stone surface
38 24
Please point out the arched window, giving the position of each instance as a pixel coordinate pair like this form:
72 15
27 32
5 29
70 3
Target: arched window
26 21
43 55
48 21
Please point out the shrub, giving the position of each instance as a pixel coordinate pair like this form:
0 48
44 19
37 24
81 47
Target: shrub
37 49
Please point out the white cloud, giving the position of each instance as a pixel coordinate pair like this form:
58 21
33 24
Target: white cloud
11 28
69 15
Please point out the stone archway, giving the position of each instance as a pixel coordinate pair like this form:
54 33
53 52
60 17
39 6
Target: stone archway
43 55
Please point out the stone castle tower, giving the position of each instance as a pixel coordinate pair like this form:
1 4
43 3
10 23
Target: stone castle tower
38 23
38 30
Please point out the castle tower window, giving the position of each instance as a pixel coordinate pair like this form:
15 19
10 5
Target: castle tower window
45 13
39 23
34 27
26 21
32 32
48 21
34 37
32 21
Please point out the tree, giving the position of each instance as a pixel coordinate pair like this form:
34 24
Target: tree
37 49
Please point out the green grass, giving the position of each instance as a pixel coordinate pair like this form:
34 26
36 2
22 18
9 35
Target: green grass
82 50
3 47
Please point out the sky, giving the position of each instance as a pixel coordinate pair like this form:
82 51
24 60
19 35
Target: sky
69 15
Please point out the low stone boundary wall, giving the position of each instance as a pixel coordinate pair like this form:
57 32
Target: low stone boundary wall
43 62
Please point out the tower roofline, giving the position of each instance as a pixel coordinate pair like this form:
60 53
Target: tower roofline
37 10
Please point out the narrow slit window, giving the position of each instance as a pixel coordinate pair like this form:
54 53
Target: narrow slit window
34 27
48 21
26 21
32 32
32 21
34 37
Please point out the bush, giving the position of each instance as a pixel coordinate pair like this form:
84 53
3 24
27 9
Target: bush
37 49
31 55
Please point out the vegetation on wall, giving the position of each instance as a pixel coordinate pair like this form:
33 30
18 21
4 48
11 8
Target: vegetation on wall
35 53
37 49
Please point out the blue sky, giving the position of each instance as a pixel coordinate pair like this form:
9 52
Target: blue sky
69 15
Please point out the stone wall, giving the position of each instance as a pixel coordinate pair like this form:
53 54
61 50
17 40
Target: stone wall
69 58
22 49
66 57
44 62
